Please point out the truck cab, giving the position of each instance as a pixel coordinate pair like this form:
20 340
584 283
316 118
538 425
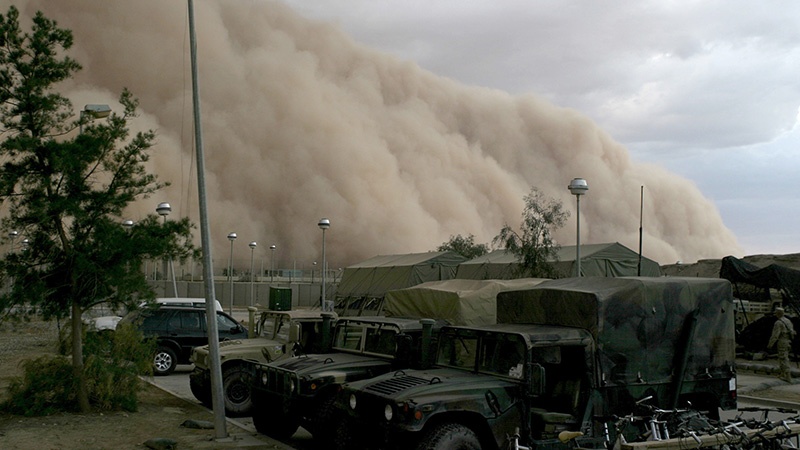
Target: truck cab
278 335
570 355
300 391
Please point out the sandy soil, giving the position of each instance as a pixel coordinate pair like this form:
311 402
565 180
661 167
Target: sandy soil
160 415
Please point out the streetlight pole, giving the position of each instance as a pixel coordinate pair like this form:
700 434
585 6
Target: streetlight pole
252 274
272 264
231 237
313 266
578 187
217 395
13 235
163 209
324 224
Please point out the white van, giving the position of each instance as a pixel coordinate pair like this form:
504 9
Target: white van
186 301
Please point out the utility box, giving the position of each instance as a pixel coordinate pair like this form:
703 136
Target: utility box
280 299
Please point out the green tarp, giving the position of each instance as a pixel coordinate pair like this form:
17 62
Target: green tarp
376 276
460 302
640 324
601 260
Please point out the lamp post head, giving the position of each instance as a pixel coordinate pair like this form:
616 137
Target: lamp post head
272 247
97 111
253 245
578 186
163 209
232 237
324 224
314 263
13 234
128 224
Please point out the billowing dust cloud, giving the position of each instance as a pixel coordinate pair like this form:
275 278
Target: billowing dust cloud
300 122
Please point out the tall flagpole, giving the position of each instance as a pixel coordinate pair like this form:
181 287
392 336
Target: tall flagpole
217 400
641 209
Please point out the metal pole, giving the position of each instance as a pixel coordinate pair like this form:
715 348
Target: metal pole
217 399
641 209
323 303
272 264
252 274
230 272
578 239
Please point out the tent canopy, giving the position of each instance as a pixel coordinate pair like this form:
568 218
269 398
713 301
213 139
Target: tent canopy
460 302
376 276
771 277
603 260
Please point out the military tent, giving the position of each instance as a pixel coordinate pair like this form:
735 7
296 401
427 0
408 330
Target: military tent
363 285
460 302
602 260
761 279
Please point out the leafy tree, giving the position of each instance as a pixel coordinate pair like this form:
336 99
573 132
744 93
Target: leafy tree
534 245
464 246
65 184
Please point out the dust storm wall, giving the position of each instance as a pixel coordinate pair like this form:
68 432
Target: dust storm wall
301 122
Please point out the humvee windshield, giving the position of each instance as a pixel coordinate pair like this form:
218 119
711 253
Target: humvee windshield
275 326
371 338
491 353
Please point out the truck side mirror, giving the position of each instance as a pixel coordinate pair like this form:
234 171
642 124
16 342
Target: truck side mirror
537 380
294 332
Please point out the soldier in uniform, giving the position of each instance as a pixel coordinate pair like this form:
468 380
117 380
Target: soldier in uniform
783 334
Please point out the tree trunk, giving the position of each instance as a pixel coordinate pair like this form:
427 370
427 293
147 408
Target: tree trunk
77 358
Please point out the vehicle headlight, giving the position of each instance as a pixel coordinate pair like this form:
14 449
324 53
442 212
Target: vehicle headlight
388 413
352 401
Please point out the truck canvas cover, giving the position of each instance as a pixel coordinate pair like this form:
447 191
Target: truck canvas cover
460 302
641 325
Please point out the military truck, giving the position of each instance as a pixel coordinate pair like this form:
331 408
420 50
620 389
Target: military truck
566 358
277 335
300 391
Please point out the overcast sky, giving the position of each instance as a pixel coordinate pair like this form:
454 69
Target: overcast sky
707 89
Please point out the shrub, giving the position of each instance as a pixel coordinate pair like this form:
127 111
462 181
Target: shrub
113 362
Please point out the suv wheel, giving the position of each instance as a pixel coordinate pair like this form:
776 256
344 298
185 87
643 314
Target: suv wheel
164 362
236 383
450 436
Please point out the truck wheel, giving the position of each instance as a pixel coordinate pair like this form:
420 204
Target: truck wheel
236 383
343 437
321 424
200 393
164 362
273 422
450 436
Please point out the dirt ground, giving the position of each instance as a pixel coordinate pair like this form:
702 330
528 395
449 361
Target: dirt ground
160 414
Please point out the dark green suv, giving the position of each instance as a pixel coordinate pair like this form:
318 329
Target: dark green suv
178 330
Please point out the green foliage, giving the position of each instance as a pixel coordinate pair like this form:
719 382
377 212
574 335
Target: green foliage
535 246
114 361
464 246
65 184
46 387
